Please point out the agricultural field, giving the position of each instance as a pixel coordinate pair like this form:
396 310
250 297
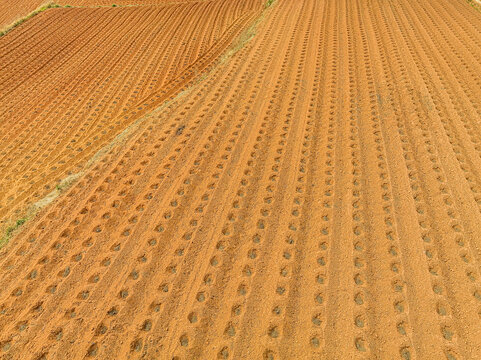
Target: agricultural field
63 99
115 3
236 179
11 12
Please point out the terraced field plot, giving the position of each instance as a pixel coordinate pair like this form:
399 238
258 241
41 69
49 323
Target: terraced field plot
315 194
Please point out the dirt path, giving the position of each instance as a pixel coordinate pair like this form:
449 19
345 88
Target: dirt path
316 195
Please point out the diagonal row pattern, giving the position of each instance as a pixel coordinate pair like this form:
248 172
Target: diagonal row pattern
316 195
72 79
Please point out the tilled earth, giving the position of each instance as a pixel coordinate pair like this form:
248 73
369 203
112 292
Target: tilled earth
311 190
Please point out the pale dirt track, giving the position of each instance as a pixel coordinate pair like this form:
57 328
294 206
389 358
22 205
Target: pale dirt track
316 195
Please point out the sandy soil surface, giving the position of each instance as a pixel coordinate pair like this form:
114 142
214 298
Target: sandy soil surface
95 3
71 79
11 11
316 194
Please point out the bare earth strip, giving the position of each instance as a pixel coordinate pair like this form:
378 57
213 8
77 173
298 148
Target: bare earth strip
316 195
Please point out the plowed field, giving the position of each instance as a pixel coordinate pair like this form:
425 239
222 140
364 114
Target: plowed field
115 3
316 193
71 79
10 12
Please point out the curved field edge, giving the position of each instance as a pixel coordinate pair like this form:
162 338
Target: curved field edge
15 226
45 6
147 102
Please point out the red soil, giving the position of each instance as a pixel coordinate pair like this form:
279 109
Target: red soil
316 194
75 78
10 11
96 3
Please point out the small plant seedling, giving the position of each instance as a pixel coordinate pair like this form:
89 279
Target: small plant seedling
10 230
180 130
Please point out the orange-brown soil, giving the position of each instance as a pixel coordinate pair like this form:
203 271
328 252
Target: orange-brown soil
71 79
10 11
96 3
316 194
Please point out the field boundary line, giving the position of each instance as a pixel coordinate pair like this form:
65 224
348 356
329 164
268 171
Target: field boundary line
237 43
43 7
